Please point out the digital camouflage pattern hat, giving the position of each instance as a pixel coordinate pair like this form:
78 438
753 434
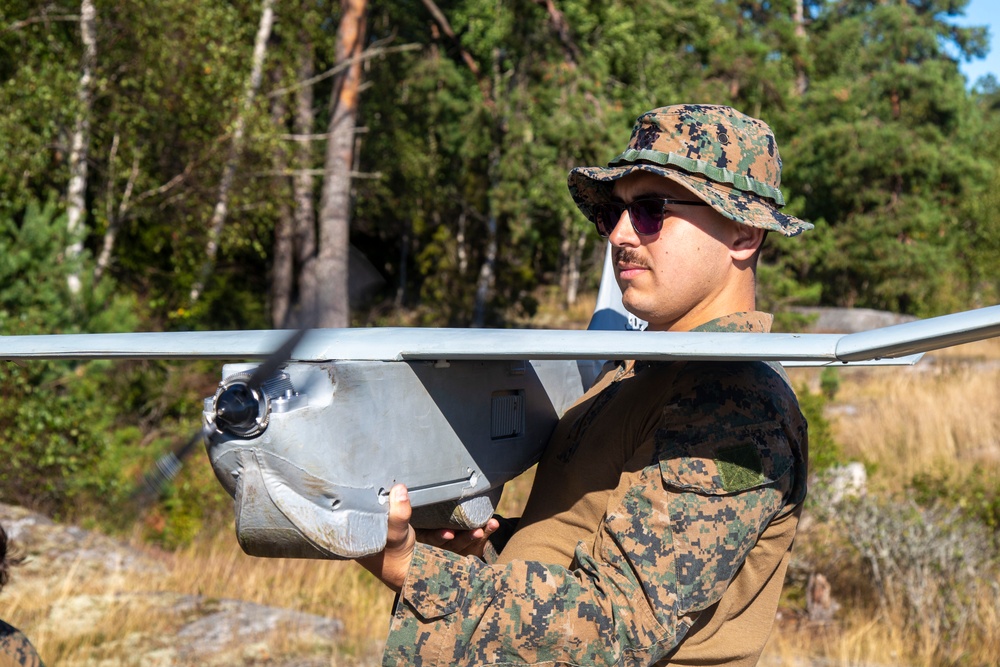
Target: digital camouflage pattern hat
726 158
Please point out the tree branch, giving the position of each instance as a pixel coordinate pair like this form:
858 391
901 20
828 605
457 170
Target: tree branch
229 170
561 27
470 62
442 21
17 25
367 54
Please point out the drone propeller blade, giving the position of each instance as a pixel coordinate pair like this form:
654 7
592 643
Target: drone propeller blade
276 360
166 468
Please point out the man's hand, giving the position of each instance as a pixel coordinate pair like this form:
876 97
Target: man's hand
391 564
463 542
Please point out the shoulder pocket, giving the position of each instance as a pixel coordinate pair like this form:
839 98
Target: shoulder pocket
723 460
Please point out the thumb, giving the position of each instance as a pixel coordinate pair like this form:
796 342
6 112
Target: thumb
400 511
392 563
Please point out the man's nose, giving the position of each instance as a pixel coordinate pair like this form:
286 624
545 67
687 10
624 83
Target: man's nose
624 233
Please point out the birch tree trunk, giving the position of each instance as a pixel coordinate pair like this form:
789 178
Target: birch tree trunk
80 145
302 186
575 264
801 80
116 220
333 303
487 277
236 148
282 266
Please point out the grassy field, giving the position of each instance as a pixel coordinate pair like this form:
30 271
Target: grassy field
942 414
939 422
939 419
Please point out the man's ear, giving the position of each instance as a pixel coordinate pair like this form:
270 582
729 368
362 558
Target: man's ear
745 241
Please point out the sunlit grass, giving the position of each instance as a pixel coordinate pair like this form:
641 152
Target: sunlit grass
213 567
217 567
862 635
939 416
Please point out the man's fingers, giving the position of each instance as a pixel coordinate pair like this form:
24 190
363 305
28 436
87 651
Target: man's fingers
436 537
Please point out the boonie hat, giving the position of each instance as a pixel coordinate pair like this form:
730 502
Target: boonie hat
725 157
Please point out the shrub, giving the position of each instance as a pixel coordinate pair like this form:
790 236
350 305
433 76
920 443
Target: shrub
58 420
932 566
975 494
824 451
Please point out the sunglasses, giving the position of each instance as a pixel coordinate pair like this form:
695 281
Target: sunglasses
645 214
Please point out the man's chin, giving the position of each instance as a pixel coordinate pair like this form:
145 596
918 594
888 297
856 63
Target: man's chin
635 307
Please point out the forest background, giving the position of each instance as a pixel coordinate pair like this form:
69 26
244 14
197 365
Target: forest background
192 165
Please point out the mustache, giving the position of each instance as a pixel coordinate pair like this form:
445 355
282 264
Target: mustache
628 256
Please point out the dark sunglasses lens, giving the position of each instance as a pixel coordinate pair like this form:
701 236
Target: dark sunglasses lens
606 217
647 216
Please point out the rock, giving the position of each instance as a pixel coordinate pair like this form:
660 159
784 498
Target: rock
55 550
846 481
192 630
849 320
820 604
149 628
242 625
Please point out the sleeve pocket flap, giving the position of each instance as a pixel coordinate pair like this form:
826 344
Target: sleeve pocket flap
722 461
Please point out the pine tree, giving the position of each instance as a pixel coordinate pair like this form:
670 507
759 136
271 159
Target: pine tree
883 156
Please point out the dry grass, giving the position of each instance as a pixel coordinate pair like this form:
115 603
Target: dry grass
554 313
73 617
217 567
941 415
864 638
912 422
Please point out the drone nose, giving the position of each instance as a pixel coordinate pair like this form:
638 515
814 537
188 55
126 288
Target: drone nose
243 404
237 410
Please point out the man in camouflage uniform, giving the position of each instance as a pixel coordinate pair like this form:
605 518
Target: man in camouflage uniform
661 520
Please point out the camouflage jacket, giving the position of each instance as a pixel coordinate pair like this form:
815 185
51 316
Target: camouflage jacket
674 472
15 649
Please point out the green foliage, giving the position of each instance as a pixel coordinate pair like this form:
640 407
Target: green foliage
885 150
884 147
58 421
882 152
930 565
829 382
977 496
824 452
193 503
34 292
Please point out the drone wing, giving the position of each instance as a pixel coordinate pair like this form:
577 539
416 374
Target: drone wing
411 344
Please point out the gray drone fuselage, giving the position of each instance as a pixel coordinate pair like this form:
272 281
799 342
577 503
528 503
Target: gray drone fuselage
337 435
